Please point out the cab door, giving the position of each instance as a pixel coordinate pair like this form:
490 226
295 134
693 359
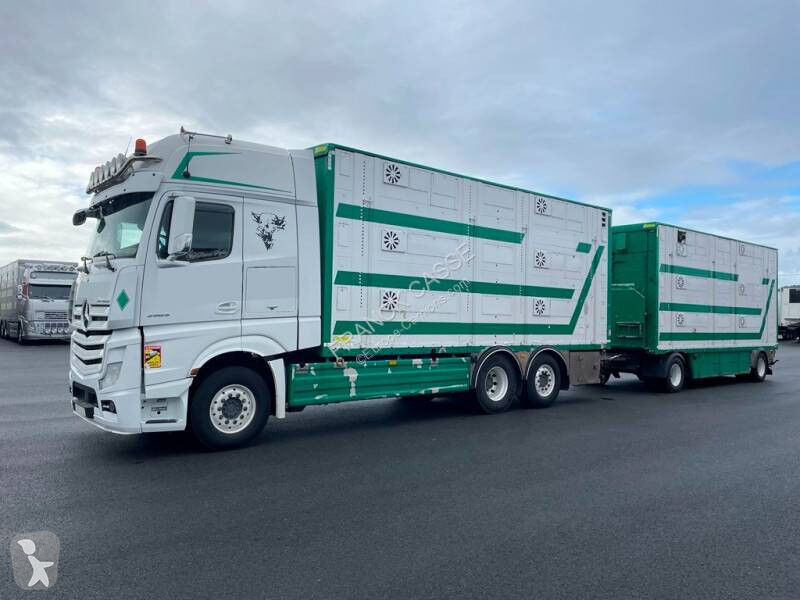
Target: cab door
270 302
187 308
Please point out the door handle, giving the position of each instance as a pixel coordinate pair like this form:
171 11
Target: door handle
226 308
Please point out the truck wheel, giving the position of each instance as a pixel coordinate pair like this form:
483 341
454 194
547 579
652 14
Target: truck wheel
676 375
230 408
496 384
543 383
759 372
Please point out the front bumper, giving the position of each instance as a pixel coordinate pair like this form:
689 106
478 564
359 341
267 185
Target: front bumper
46 330
124 406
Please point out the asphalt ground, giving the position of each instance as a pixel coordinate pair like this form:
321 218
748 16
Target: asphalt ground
614 492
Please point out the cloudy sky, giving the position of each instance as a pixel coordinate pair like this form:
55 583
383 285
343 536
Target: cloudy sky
687 112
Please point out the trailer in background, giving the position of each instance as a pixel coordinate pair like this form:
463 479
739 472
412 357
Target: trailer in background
789 312
34 299
689 304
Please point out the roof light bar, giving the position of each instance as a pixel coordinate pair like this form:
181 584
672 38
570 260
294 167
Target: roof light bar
118 169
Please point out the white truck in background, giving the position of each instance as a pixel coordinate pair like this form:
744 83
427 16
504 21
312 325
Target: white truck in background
34 299
789 312
228 281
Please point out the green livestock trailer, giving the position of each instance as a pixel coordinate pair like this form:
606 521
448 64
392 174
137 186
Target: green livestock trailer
687 304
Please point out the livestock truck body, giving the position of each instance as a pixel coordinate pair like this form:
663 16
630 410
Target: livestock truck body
228 282
34 299
690 304
789 312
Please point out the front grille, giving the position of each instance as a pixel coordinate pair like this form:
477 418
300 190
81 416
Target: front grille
55 316
89 338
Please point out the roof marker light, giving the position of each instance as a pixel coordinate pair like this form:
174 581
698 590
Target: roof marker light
140 149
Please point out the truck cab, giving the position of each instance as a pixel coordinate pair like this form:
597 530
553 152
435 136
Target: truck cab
194 265
35 300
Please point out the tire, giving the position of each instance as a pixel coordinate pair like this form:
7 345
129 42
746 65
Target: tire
759 372
544 382
496 384
2 329
238 393
604 377
676 375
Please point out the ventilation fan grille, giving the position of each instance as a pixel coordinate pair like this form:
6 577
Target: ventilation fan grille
680 320
392 173
680 282
540 259
541 205
390 300
390 240
539 307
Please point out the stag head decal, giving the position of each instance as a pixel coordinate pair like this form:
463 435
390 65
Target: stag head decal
267 224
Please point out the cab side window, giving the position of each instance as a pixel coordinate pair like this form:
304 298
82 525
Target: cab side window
212 233
162 243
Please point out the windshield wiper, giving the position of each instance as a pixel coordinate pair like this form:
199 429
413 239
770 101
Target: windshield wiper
109 256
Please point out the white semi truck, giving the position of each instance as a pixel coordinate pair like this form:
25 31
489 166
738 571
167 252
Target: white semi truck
34 299
228 281
789 312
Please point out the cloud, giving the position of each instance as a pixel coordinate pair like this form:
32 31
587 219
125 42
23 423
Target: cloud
7 228
615 103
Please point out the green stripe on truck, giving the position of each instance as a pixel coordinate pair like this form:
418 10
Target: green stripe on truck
678 270
708 308
388 217
420 284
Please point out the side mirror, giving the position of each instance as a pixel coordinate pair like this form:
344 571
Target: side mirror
79 218
180 230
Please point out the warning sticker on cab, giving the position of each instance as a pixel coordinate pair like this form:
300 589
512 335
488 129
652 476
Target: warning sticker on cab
152 357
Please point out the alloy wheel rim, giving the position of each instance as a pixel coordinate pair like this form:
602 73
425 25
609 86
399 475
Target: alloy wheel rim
496 384
675 374
232 409
545 380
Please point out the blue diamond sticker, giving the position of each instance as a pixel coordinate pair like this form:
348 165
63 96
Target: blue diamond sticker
123 300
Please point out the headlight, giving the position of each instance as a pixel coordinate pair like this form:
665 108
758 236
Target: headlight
111 376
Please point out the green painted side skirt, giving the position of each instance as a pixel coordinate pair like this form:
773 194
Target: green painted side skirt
449 285
388 217
678 270
451 327
324 383
584 247
708 308
694 336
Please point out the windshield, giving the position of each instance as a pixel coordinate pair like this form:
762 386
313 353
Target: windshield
120 224
48 292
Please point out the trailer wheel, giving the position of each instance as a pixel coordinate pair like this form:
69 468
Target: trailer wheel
543 382
676 375
496 384
759 372
229 408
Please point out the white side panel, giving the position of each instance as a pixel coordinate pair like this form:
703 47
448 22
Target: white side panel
423 259
715 292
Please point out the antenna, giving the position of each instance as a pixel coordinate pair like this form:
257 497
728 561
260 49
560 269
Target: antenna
128 147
